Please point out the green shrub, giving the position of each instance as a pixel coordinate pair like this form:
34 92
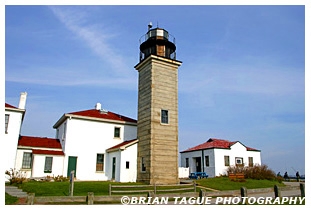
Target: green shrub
255 172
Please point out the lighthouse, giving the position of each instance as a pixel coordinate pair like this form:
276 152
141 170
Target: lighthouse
157 126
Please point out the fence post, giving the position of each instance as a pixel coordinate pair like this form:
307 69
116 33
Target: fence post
195 186
30 198
302 189
150 195
202 195
90 198
244 194
72 175
277 191
109 189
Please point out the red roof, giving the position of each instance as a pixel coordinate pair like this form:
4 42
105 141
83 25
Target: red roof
123 144
216 143
30 141
47 152
103 115
10 106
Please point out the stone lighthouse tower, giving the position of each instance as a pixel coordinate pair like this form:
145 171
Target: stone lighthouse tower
157 130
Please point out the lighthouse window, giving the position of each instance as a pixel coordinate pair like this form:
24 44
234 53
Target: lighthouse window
143 166
164 116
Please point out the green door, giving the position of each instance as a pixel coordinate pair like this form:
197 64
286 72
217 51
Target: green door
113 168
72 165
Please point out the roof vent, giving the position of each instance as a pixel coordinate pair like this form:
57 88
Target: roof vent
103 111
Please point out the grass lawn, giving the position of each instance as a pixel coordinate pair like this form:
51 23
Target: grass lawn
10 199
224 183
102 187
62 188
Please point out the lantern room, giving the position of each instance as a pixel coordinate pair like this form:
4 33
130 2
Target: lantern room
158 42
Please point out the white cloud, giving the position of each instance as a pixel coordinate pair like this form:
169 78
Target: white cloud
93 35
110 70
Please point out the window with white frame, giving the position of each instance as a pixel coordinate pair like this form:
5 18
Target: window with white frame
239 161
7 117
48 164
117 132
227 160
100 162
27 159
250 162
164 116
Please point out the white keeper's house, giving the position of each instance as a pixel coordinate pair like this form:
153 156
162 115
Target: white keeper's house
90 139
216 155
97 144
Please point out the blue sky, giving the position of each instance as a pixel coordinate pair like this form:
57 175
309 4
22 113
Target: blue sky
242 76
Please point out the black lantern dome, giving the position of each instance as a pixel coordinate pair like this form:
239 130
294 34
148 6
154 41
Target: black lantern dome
158 42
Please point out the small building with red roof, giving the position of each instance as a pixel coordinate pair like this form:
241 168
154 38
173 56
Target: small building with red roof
39 156
123 155
215 155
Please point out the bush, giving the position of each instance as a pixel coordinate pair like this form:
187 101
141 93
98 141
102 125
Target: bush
260 172
60 179
236 169
254 172
16 176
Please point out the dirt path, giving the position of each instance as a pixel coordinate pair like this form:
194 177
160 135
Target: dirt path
21 201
